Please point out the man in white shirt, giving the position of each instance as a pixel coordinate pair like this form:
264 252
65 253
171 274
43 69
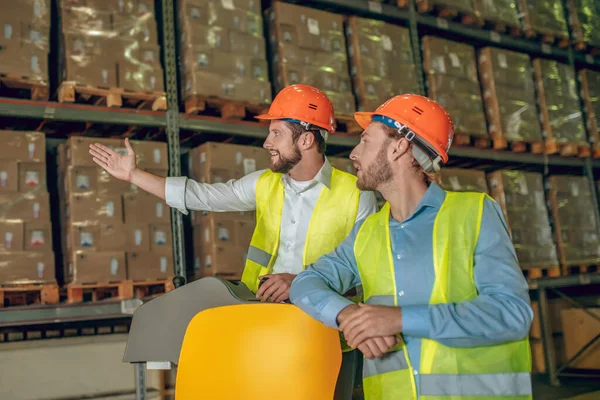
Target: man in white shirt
304 207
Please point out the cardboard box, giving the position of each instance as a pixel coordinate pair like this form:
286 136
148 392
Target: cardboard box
38 237
90 209
82 19
96 237
446 57
143 266
144 207
504 67
150 155
138 237
12 236
502 11
543 17
32 177
219 162
463 180
240 43
94 267
10 32
161 240
590 88
78 148
585 27
140 78
222 260
83 180
96 71
580 328
23 146
9 176
203 37
28 207
26 267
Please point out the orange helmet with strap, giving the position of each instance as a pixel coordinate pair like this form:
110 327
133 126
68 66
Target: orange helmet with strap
305 105
421 121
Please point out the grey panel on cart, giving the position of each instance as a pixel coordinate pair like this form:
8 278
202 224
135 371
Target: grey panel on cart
158 326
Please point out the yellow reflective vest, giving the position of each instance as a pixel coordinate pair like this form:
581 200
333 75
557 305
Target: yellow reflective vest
331 221
491 372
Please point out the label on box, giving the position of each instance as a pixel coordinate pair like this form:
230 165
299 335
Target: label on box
153 85
202 158
454 60
40 269
37 8
86 239
239 157
522 186
8 240
8 31
35 36
35 65
502 60
387 43
105 76
439 64
454 183
3 178
208 262
121 6
31 149
195 13
207 235
138 237
313 26
82 182
70 270
36 210
114 266
539 199
37 238
223 234
110 209
159 210
157 157
249 166
163 265
574 189
149 56
32 178
160 238
197 264
228 4
375 6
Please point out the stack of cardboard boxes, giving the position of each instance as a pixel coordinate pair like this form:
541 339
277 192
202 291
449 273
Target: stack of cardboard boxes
544 17
308 46
111 230
521 197
590 93
584 22
25 38
223 50
26 254
221 239
463 180
452 81
110 43
509 95
559 103
381 61
575 222
501 12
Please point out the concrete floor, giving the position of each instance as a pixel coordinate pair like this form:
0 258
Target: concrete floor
570 389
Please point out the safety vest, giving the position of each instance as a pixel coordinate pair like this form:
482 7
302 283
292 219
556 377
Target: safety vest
499 372
331 221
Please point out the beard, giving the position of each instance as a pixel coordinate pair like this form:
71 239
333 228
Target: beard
285 164
377 173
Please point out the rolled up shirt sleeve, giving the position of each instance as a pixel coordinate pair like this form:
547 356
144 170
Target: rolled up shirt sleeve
318 290
500 313
235 195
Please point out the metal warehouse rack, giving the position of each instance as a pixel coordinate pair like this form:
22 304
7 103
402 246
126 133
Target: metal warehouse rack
173 122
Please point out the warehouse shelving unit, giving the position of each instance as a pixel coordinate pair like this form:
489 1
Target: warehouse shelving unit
173 122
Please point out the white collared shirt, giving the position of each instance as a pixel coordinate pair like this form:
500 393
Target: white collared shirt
300 199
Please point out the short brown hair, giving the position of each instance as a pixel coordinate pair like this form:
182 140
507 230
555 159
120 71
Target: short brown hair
428 177
298 130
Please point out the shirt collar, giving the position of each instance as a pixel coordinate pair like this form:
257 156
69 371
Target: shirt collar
434 197
323 176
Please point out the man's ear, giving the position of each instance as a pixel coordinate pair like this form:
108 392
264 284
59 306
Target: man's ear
307 140
399 148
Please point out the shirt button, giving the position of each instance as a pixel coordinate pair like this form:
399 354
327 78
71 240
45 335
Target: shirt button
398 256
290 247
293 221
401 293
402 226
416 372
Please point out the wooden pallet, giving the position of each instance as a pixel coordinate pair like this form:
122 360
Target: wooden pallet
23 87
346 124
580 45
77 293
448 12
152 287
461 139
26 294
596 151
539 272
578 269
568 149
500 143
502 27
226 109
72 92
548 38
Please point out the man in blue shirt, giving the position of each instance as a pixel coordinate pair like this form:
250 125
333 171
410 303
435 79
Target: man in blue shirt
431 293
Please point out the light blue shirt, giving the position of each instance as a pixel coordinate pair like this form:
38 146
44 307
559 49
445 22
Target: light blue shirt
501 313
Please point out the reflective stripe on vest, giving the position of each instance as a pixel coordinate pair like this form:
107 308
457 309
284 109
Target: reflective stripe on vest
501 371
331 221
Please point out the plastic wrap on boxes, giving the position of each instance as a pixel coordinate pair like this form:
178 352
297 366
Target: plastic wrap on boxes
25 39
111 43
559 102
584 21
462 6
521 197
308 46
463 180
452 81
381 61
509 95
590 93
502 11
546 17
575 221
223 50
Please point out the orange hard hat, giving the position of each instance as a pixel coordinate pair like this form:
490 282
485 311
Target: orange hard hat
305 105
419 119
